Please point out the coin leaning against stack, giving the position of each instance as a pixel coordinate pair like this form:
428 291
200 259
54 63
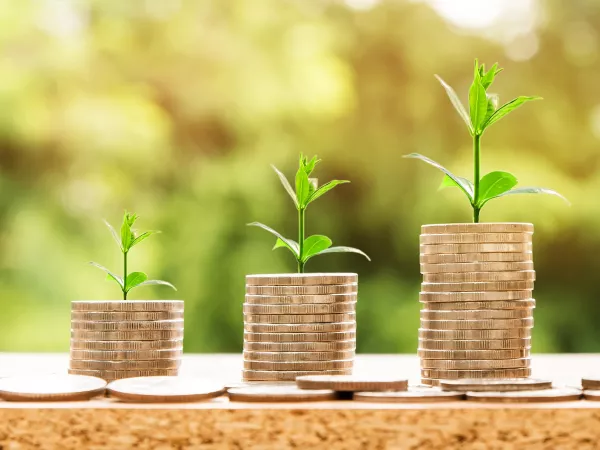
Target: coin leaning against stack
299 324
128 338
477 312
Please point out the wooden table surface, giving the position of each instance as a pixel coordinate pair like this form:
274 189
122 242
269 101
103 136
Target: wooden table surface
220 424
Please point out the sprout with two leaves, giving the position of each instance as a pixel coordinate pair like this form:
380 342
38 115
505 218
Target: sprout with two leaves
306 192
483 112
126 241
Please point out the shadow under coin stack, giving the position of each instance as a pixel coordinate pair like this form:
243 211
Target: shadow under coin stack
299 324
477 312
123 339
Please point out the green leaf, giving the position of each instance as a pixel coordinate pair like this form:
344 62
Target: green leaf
494 184
113 276
115 235
143 236
465 185
342 249
310 166
462 112
478 104
507 108
313 245
154 282
302 187
534 190
449 182
126 234
286 185
324 189
291 245
487 78
134 279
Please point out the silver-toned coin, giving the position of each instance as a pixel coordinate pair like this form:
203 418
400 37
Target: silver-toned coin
489 373
504 354
298 356
512 333
484 296
124 316
326 289
491 305
471 277
291 299
145 335
481 324
128 326
300 346
139 355
272 394
475 238
412 395
164 389
111 375
478 287
477 344
289 375
476 257
590 383
495 385
299 318
125 364
299 365
299 337
352 383
473 364
170 344
327 308
301 279
300 327
441 249
50 388
508 266
127 305
488 227
545 395
477 314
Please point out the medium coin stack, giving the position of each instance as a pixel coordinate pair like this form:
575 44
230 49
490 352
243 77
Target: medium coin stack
123 339
299 324
477 312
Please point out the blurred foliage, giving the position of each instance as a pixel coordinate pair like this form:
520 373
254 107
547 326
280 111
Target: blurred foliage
175 109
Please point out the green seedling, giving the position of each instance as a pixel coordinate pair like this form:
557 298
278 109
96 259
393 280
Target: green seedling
126 241
306 192
483 113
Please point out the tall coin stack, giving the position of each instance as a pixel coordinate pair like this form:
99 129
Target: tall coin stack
122 339
477 312
299 324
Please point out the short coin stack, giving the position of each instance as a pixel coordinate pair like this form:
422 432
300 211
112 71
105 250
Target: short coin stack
299 324
123 339
477 300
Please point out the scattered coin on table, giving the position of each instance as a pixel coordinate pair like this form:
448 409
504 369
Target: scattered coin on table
164 389
279 393
495 385
50 388
412 395
544 395
352 383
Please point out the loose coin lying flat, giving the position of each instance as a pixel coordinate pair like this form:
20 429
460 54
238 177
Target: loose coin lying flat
78 344
469 364
50 388
352 383
125 365
302 290
487 296
590 383
299 365
327 308
475 238
437 249
473 345
164 389
491 373
475 257
118 374
140 355
301 299
273 375
591 395
264 393
545 395
299 327
127 335
495 385
299 318
506 354
128 326
298 356
511 333
476 314
458 306
115 316
478 286
301 279
299 337
477 267
129 305
412 395
471 277
501 227
483 324
300 346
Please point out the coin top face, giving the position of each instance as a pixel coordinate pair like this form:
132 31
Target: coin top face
412 395
488 227
164 389
279 393
544 395
495 385
51 387
127 305
352 383
301 279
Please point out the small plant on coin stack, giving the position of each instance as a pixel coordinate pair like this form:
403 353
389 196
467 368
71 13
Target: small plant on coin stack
300 323
478 278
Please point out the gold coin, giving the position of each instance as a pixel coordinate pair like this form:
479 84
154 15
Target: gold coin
487 385
299 365
352 383
477 314
478 287
465 277
442 249
301 279
489 324
139 355
126 335
275 394
110 375
481 364
290 375
300 327
477 257
42 388
487 296
120 316
475 238
477 267
544 395
125 365
512 353
331 308
127 305
300 346
128 326
456 306
511 333
412 395
299 337
479 344
298 318
298 356
501 227
489 373
303 290
301 299
431 383
164 389
78 344
590 383
591 395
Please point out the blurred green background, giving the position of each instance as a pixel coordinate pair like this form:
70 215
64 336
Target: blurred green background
176 109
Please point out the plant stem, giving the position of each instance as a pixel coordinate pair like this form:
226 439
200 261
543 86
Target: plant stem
301 239
476 167
124 275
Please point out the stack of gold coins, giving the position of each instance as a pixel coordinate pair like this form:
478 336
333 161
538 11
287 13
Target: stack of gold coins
123 339
477 312
299 324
